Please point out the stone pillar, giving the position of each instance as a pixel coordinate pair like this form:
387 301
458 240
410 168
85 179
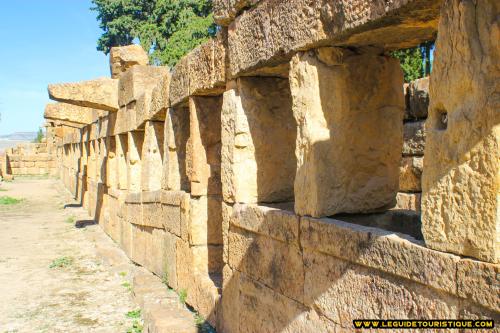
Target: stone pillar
152 156
258 141
176 137
111 165
134 154
121 160
461 179
349 111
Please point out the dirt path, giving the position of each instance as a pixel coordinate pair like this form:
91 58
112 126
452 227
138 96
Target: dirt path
51 278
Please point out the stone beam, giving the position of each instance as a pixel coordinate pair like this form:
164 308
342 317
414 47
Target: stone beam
123 58
99 94
68 112
272 31
461 183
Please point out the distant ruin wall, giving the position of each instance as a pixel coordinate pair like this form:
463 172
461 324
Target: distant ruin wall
275 175
29 160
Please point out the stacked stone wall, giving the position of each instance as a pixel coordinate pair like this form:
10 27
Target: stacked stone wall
28 160
274 175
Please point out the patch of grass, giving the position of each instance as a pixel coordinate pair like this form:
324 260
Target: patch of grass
202 325
122 274
61 262
4 200
135 314
127 285
3 190
183 294
164 279
71 220
136 327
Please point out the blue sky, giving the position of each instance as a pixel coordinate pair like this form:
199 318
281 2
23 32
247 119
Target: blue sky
42 42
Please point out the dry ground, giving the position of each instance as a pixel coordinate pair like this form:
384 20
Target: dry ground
79 293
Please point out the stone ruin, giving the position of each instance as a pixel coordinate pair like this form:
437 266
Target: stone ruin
29 159
276 173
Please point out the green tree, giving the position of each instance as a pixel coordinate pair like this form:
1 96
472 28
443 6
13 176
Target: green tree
167 29
415 62
39 136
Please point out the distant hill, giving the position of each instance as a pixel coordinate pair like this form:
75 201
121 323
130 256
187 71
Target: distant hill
19 136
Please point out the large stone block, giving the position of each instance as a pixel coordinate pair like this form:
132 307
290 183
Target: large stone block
276 264
123 58
410 174
258 139
382 250
169 260
160 99
205 223
343 292
349 111
204 146
461 184
99 94
409 201
68 112
274 30
176 137
417 99
414 138
121 160
207 259
134 154
152 156
225 11
137 81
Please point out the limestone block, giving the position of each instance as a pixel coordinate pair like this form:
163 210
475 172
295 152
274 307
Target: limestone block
68 112
205 223
381 250
152 156
179 84
276 264
160 99
461 183
101 94
279 224
111 163
124 57
229 314
227 212
204 146
184 266
176 137
207 259
225 11
480 282
409 201
274 30
258 140
152 213
169 259
417 99
134 154
171 213
414 138
348 145
207 68
262 309
343 292
137 81
121 160
410 174
205 298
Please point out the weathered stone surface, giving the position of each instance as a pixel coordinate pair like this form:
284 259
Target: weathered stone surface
480 282
274 30
121 162
176 137
204 146
227 212
137 81
184 266
382 250
410 174
258 139
414 138
417 99
68 112
160 99
123 58
207 259
99 94
152 156
205 223
169 259
461 183
179 83
349 144
134 154
276 264
409 201
225 11
262 309
343 292
275 223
